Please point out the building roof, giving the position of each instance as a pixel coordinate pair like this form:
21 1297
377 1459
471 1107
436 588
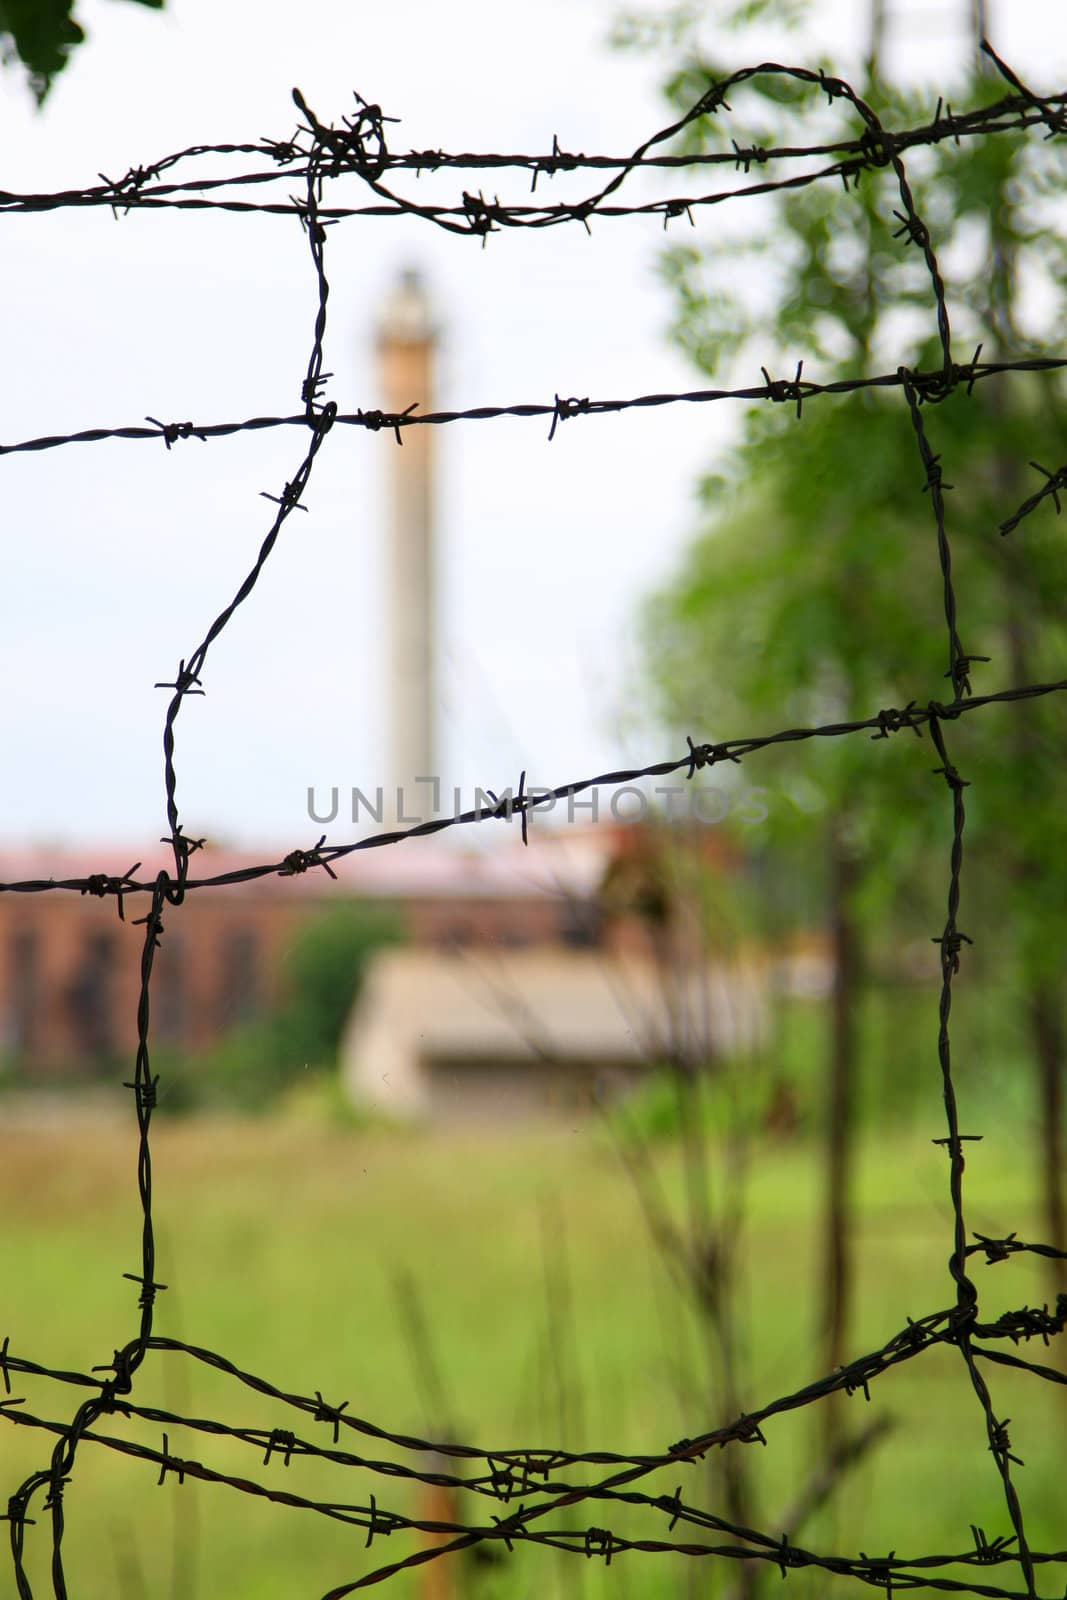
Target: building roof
556 863
422 1013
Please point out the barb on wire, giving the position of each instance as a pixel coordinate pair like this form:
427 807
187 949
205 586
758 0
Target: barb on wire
927 386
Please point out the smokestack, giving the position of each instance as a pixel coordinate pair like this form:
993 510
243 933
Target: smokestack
406 339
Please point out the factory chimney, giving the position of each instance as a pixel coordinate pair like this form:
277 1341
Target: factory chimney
406 338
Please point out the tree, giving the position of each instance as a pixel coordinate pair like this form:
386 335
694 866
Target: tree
323 972
814 593
41 34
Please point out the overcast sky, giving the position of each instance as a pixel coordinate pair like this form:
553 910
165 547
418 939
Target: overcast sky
118 555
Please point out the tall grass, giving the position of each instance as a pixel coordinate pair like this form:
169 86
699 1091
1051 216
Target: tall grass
282 1238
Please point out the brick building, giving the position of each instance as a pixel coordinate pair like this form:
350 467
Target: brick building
70 967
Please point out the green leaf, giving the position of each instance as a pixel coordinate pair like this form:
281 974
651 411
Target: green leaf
42 34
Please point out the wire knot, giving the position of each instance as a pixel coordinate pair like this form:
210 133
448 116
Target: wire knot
1029 1323
186 681
510 1527
996 1249
856 1384
914 1336
173 431
144 1090
954 1144
152 922
362 144
322 421
126 188
289 499
16 1512
989 1552
328 1413
100 884
183 848
600 1542
879 1570
170 1463
482 216
833 88
673 1504
505 805
298 861
122 1367
878 147
677 208
942 713
946 125
787 1556
283 151
891 721
502 1479
710 101
683 1446
379 1522
558 161
782 390
706 755
280 1442
915 229
999 1442
930 388
56 1484
754 154
952 777
747 1430
375 420
564 410
960 673
149 1289
311 390
951 942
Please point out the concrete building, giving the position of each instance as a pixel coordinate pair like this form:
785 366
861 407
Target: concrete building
484 1036
70 968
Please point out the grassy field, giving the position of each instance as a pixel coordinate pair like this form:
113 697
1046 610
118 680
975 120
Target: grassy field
283 1242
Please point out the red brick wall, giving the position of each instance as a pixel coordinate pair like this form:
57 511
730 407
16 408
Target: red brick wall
70 969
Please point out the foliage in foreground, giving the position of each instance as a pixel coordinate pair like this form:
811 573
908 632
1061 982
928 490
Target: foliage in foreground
42 34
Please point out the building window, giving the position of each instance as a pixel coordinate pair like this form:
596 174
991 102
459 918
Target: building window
239 964
169 990
24 993
91 998
580 923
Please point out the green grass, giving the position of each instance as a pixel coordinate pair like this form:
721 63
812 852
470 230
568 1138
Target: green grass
282 1239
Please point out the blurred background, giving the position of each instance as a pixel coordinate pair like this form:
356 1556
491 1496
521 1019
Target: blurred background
602 1140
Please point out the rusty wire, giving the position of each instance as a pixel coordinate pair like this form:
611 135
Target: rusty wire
547 1481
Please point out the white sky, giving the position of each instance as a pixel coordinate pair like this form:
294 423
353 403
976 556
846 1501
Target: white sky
118 555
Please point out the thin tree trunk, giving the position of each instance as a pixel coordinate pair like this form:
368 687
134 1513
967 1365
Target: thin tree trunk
1044 1005
1046 1025
1046 1010
840 1114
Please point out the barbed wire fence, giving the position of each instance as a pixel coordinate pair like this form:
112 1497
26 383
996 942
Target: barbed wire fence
524 1489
